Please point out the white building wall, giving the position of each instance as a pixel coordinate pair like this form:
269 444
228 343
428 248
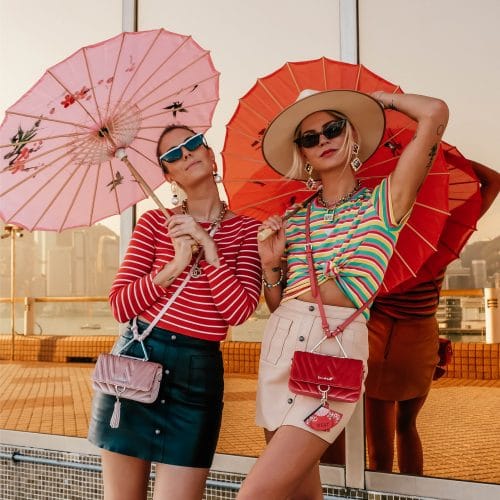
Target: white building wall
247 40
35 35
447 49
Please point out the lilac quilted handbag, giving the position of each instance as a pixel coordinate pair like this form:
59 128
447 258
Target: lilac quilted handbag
125 377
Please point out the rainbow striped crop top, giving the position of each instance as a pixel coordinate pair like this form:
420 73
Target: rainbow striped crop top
354 249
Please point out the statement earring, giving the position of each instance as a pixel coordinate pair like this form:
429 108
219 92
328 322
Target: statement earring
310 183
175 193
355 162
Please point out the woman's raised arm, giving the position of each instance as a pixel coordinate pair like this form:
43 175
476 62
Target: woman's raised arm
417 158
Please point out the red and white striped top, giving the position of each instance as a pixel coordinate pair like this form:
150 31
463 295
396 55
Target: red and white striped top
208 305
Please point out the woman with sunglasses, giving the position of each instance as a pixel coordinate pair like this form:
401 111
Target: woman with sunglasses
218 249
325 136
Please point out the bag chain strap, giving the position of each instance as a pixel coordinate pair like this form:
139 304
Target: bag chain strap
317 295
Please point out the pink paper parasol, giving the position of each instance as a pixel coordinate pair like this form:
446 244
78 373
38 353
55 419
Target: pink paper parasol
63 144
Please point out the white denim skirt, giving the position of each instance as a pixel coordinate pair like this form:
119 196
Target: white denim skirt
296 326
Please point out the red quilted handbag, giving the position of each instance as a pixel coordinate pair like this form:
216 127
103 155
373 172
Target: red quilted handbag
316 375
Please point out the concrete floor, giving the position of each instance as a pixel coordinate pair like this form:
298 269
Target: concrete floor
459 424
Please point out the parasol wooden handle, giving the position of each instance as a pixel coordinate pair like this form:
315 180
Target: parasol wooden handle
264 233
122 155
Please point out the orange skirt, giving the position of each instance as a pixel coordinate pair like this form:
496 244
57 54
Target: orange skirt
402 356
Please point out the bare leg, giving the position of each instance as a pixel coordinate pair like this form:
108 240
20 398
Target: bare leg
410 454
124 477
380 423
174 482
291 455
310 486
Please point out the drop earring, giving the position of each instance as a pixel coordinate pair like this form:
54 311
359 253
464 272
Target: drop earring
175 193
355 162
217 177
310 183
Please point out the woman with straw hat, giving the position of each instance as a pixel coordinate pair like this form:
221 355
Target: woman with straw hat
325 136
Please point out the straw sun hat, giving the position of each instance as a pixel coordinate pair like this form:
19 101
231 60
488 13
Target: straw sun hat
363 112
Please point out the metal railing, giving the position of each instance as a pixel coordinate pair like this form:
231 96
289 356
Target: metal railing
29 307
17 457
29 312
468 292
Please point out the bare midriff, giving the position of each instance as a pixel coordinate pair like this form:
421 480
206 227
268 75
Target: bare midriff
331 295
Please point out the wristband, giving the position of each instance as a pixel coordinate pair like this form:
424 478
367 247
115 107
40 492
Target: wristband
280 279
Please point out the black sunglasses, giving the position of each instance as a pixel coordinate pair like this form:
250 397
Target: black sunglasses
330 130
192 143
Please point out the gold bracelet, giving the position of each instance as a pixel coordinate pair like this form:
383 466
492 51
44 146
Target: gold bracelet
272 285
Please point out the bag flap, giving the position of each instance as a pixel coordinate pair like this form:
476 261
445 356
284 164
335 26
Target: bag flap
126 372
314 368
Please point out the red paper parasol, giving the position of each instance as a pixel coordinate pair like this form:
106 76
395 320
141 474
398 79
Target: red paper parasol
255 189
62 142
465 206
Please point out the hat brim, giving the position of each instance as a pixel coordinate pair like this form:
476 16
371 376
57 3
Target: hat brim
363 112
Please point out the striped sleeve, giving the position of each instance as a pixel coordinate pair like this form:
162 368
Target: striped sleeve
382 202
235 293
133 290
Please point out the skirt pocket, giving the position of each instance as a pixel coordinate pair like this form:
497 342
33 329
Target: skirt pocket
275 337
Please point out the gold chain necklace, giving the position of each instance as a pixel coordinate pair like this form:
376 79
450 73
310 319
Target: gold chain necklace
328 217
195 270
214 222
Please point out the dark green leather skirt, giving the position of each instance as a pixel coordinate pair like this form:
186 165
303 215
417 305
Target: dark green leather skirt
182 426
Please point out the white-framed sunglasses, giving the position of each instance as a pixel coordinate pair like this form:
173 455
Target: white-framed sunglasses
191 144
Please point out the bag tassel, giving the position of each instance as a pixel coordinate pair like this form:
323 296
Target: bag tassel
115 418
